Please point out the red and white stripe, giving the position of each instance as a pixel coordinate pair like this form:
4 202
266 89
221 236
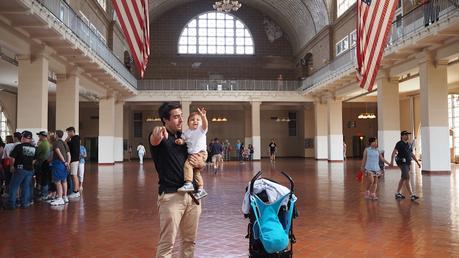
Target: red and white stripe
133 18
373 25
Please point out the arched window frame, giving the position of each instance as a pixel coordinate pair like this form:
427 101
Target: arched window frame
215 33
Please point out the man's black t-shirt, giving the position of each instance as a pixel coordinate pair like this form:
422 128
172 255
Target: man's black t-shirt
74 146
169 159
403 152
216 148
23 155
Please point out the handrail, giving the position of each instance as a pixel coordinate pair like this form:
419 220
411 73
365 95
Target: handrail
65 14
219 85
419 18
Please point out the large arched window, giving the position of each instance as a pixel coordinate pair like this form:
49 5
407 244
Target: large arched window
215 33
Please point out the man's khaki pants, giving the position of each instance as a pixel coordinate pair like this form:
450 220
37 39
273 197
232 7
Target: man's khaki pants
177 211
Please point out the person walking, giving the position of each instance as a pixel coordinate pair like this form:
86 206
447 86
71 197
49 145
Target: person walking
140 152
403 156
370 164
272 150
178 212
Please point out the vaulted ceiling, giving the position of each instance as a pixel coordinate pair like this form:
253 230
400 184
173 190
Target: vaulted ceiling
299 19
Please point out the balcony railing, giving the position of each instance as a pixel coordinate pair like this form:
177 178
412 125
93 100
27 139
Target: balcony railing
344 63
63 13
421 17
219 85
402 28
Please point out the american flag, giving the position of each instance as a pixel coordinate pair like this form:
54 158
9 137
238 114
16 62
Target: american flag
374 20
133 18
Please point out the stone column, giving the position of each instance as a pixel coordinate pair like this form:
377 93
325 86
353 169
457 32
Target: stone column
256 138
67 101
434 116
388 113
106 129
335 129
119 123
247 126
32 104
321 130
185 112
308 130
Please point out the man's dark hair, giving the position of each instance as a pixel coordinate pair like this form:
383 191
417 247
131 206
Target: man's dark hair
164 110
59 133
371 140
17 135
71 128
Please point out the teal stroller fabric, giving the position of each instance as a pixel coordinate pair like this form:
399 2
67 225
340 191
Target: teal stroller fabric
272 231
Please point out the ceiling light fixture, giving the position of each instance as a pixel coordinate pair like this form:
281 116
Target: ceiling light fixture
227 6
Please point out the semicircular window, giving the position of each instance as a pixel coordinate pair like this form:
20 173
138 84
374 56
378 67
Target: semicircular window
215 33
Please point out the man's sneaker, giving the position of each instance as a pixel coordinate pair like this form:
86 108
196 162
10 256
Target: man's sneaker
414 197
50 200
200 194
399 196
187 187
66 199
57 202
74 195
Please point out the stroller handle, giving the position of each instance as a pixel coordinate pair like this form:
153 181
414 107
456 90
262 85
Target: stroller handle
292 185
253 181
254 178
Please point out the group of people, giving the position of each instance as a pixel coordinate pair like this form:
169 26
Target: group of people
373 164
53 168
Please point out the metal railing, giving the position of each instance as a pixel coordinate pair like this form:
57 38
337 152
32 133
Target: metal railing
219 85
65 14
345 62
403 27
420 18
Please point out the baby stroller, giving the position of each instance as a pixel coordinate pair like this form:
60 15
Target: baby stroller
270 208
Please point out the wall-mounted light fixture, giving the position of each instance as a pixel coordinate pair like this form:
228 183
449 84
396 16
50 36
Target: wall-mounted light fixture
152 119
219 119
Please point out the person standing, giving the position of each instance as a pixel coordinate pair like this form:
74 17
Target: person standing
370 164
177 210
403 155
129 152
73 141
251 151
23 157
83 155
272 150
42 165
11 142
140 152
60 164
238 150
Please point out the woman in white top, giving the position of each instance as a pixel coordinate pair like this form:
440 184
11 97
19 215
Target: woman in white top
140 152
370 163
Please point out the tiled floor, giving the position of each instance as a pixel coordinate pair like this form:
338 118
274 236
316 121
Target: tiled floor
117 217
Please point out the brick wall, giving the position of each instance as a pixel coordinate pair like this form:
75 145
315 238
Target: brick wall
270 59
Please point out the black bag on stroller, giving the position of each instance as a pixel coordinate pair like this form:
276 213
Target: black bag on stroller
270 208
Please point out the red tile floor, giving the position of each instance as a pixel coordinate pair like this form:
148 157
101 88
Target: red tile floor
116 216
